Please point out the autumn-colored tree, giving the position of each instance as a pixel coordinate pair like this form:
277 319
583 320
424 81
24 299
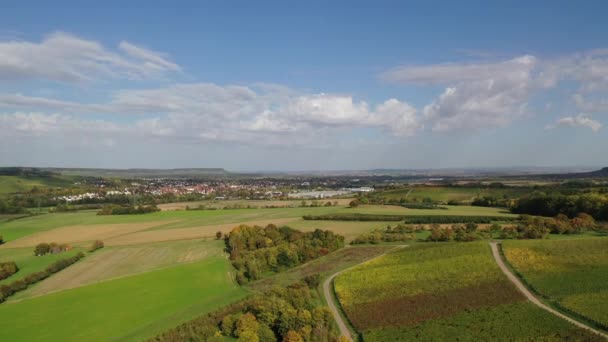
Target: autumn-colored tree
292 336
218 235
246 323
249 336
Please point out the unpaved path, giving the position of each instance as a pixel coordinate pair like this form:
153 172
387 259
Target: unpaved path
327 292
513 278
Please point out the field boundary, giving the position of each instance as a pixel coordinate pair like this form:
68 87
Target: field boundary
519 283
330 294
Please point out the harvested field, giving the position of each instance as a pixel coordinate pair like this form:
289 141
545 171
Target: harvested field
110 263
81 233
186 233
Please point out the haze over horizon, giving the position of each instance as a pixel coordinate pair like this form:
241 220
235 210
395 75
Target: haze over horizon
314 86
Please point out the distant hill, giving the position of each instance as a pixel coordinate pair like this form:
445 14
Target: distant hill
184 172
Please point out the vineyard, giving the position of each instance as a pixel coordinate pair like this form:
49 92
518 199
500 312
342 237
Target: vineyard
438 292
572 274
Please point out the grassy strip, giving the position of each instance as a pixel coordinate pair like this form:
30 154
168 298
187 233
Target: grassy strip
32 278
548 300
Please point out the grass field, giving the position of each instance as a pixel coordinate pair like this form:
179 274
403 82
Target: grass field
131 308
446 291
445 194
114 262
573 272
28 262
11 184
175 225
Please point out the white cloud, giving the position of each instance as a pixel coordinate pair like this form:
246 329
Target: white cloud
153 59
260 113
66 58
484 95
494 94
581 120
35 123
515 69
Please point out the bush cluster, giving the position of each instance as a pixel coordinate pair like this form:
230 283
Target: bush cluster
7 269
32 278
535 227
255 250
401 232
97 244
457 232
44 248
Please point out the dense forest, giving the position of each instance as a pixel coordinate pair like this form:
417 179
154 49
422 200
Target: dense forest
256 250
552 204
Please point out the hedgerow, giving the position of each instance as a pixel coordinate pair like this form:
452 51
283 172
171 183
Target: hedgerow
32 278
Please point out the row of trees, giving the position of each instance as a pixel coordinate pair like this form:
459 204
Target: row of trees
112 209
458 232
32 278
402 232
282 314
255 250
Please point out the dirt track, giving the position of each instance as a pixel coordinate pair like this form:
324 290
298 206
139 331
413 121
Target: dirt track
328 289
520 286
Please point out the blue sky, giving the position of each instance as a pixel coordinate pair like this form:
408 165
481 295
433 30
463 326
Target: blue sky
303 85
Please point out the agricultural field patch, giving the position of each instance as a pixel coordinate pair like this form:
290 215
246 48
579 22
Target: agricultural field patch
28 262
130 308
80 233
439 285
572 273
444 194
452 210
186 233
11 184
110 263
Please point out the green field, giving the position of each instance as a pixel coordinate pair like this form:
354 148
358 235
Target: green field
446 291
573 272
116 262
28 262
444 194
11 184
131 308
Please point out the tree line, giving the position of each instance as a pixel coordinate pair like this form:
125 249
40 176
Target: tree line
256 250
290 314
401 232
553 204
113 209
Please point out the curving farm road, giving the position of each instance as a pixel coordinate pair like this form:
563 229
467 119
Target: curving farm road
520 286
328 289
